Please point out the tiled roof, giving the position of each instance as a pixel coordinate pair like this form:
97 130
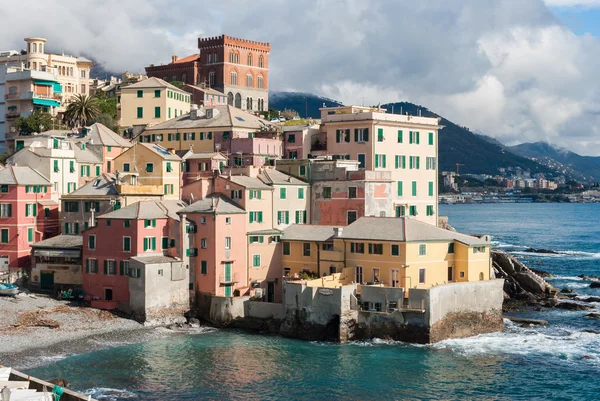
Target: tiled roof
147 210
153 260
272 176
150 83
22 175
101 186
223 205
305 232
193 57
248 182
228 117
159 150
100 134
61 242
203 155
392 229
86 155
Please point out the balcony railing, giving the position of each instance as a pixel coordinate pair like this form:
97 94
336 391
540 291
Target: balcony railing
9 96
226 279
318 146
12 114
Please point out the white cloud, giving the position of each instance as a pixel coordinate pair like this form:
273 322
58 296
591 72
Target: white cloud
508 68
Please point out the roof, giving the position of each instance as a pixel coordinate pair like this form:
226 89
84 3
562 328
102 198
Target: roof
189 155
209 91
223 205
147 210
22 175
47 202
193 57
61 242
159 150
272 176
101 186
248 182
392 229
153 260
267 231
307 232
151 83
100 134
227 116
86 155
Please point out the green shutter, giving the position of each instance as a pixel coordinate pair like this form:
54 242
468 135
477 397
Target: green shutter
300 193
251 217
35 209
384 162
260 217
154 243
379 134
282 193
376 161
430 188
146 247
105 266
431 138
399 188
157 112
287 217
30 235
165 243
414 188
400 136
397 162
66 228
204 267
140 112
418 161
403 162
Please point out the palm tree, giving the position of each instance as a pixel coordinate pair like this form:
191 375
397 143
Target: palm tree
81 109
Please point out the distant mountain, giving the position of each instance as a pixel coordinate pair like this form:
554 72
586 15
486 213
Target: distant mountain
585 168
301 102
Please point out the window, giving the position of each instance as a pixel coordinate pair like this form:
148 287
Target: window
227 220
260 82
357 247
282 193
126 244
479 249
5 210
30 235
92 242
300 193
149 167
430 141
169 167
352 193
413 137
56 169
451 247
92 266
227 242
254 194
249 81
212 78
430 188
203 243
257 238
126 167
291 138
149 223
429 210
260 62
191 252
302 171
352 216
395 250
422 249
157 112
414 188
400 189
430 163
306 249
412 210
375 249
415 162
72 166
4 236
149 244
256 217
380 161
191 228
380 137
361 135
327 192
140 112
255 260
233 78
110 267
461 274
286 249
300 216
283 217
375 274
286 271
157 93
124 268
422 276
237 194
204 267
140 93
400 161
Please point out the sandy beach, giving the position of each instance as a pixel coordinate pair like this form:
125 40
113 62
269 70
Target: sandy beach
36 329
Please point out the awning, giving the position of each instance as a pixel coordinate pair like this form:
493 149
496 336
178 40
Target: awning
61 253
47 203
39 82
45 102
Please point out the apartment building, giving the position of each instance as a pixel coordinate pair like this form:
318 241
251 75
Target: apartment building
28 214
205 96
150 102
404 145
105 143
297 141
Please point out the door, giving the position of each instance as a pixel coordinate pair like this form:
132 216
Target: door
228 287
395 273
270 291
362 160
358 274
450 273
108 294
46 280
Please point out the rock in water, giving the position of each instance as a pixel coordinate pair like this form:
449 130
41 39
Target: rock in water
592 316
531 283
595 284
573 306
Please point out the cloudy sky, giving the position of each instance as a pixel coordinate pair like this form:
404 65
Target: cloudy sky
517 70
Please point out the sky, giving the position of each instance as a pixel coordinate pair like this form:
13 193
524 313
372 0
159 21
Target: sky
517 70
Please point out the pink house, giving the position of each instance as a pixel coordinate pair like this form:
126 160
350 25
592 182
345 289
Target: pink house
250 148
146 228
105 143
27 215
216 231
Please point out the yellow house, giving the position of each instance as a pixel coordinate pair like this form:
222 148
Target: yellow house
146 164
393 252
150 102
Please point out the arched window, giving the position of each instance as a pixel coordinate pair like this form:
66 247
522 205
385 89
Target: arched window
35 47
260 82
28 47
249 80
165 78
41 48
209 59
261 62
184 78
249 103
71 71
233 78
174 78
238 100
230 99
237 57
215 59
249 59
211 78
232 57
64 71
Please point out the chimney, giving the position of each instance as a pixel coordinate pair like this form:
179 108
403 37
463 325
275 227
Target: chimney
173 59
337 231
193 112
214 202
171 150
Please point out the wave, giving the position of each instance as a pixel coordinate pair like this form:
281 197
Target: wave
560 254
498 244
110 394
560 343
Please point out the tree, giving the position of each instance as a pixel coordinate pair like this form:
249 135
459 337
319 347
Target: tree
81 110
177 84
38 121
289 114
105 120
107 105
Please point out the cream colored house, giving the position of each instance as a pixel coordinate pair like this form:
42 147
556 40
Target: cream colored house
291 198
404 145
150 102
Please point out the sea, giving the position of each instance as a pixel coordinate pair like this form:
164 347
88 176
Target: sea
556 362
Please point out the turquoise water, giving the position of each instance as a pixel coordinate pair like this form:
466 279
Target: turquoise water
559 362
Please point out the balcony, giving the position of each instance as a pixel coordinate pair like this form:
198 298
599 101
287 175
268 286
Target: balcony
332 256
12 114
318 146
228 279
